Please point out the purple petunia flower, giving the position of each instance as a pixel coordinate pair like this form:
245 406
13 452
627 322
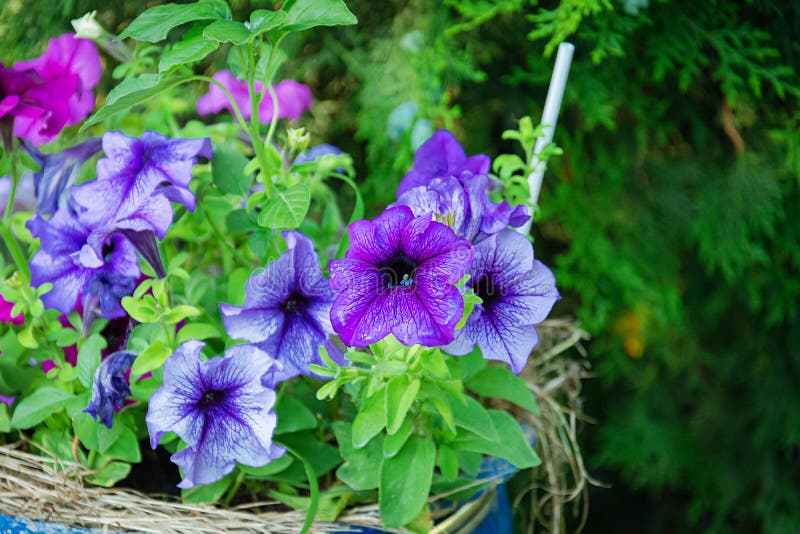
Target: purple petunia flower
68 57
58 172
110 387
316 152
75 268
8 401
220 408
452 188
293 98
32 107
439 157
286 312
517 291
397 278
135 172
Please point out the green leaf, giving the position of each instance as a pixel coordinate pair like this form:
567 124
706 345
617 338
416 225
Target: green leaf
361 470
447 460
273 467
406 481
36 407
126 447
106 437
370 420
264 20
305 14
400 395
86 429
286 209
240 220
197 331
227 31
193 47
151 358
500 382
227 170
89 358
394 442
110 474
237 282
154 24
475 418
5 423
132 91
293 416
208 492
513 447
179 313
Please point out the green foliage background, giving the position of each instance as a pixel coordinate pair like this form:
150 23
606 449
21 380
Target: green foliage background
671 220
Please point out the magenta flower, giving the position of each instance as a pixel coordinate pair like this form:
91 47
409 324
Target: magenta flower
36 109
397 278
5 313
219 407
293 98
68 57
286 311
517 292
439 157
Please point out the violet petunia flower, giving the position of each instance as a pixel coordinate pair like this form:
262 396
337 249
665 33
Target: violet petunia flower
286 311
58 172
67 58
441 156
452 188
219 407
293 98
397 278
134 171
316 152
110 387
517 291
74 267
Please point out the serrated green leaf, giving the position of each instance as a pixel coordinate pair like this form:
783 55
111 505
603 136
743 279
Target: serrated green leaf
286 209
227 31
405 482
36 407
132 91
501 383
154 24
228 170
305 14
193 47
89 358
400 395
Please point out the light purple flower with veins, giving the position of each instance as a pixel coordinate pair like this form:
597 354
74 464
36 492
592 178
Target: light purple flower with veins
518 292
219 407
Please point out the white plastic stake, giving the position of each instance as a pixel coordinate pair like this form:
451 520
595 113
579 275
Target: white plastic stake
552 106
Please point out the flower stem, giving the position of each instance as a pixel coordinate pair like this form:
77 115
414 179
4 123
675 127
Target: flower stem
255 135
313 487
231 493
5 228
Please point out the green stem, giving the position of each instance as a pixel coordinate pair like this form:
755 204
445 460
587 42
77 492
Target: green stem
231 493
274 122
12 193
16 252
218 233
255 134
313 488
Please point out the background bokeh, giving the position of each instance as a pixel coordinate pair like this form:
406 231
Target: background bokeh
672 220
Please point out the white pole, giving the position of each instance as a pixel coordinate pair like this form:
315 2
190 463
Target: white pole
552 105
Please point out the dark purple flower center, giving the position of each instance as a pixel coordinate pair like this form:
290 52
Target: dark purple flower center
211 399
398 272
108 250
295 303
486 289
